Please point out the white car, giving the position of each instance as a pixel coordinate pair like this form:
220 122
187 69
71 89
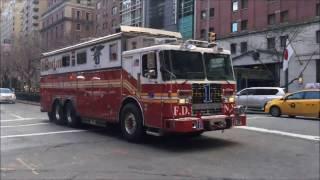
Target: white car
7 96
257 97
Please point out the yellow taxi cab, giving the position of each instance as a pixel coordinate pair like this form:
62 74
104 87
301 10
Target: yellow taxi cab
301 103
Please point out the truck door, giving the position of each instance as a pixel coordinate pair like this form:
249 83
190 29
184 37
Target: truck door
151 90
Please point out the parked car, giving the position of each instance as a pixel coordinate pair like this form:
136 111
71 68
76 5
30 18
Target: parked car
301 103
7 95
257 97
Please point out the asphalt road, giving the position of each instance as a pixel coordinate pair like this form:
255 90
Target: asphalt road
268 148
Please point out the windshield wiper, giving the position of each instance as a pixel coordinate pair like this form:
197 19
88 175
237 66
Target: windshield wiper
172 75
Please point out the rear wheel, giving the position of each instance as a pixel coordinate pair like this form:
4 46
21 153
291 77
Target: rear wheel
275 111
71 117
131 123
56 115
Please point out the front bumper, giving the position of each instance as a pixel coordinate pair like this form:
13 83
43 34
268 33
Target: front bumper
204 123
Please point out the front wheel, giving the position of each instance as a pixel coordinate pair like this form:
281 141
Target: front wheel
275 111
131 123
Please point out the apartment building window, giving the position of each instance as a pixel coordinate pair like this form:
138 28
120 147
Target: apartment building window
318 36
271 43
78 27
211 12
78 1
78 14
244 25
283 41
284 16
271 19
202 33
234 27
244 47
114 10
244 4
203 14
235 5
233 48
318 9
88 16
211 29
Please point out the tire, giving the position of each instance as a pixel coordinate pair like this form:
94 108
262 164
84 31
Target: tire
56 115
131 123
275 111
291 116
70 115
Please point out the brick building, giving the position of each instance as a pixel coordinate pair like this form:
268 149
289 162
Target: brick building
107 17
67 22
249 26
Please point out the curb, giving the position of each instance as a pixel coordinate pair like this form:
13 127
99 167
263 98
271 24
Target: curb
28 102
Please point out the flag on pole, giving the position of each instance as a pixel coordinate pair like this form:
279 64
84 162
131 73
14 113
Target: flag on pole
288 52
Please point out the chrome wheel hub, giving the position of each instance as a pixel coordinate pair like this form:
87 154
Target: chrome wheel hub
130 123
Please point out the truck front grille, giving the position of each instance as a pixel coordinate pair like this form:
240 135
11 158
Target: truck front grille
206 99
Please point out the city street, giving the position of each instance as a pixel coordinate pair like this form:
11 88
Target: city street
268 148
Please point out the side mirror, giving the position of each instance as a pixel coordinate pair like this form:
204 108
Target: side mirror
238 94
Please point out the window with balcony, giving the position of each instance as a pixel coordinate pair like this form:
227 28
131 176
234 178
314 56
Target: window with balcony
284 16
271 19
78 14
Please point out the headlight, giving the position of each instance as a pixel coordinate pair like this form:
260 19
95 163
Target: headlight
184 101
229 99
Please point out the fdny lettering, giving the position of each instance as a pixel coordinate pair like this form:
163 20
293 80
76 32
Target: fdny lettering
181 111
207 94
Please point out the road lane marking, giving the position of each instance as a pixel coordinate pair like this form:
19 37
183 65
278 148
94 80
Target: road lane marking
17 116
42 134
24 125
24 119
301 136
33 170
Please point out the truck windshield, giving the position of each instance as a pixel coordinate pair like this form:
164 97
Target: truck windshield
189 65
218 67
181 65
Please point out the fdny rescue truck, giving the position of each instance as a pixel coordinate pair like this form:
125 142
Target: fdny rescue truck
146 80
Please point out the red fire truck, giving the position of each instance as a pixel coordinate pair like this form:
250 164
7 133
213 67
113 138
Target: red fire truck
147 80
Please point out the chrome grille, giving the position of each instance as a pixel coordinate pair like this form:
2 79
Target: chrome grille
199 103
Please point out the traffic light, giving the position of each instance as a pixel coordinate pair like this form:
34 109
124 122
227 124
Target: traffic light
211 37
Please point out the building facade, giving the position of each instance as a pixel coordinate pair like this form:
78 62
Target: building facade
107 17
31 15
11 21
172 15
67 22
256 33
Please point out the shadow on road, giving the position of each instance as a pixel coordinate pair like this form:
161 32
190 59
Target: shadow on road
173 143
